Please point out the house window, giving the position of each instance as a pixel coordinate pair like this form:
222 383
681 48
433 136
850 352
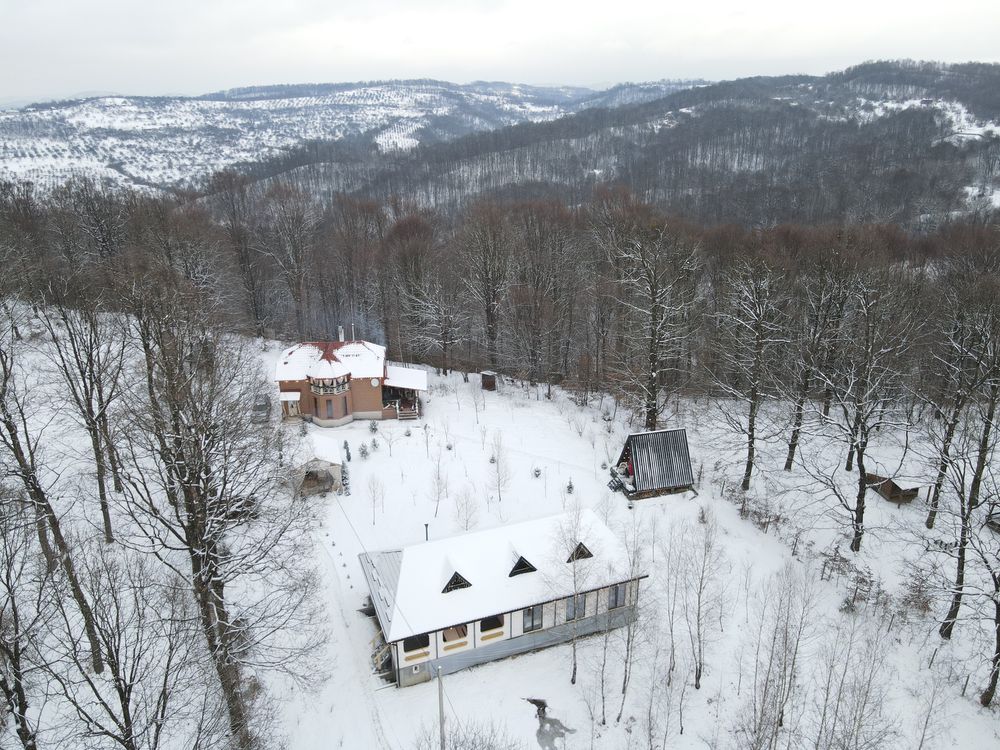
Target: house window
456 633
455 582
491 623
329 408
616 596
416 642
315 406
576 606
532 618
521 566
580 553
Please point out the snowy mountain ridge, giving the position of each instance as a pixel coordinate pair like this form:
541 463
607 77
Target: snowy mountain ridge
174 141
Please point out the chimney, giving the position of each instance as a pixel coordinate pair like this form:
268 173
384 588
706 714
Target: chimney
340 333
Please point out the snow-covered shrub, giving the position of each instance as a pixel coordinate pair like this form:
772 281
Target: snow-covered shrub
569 487
537 472
373 426
363 450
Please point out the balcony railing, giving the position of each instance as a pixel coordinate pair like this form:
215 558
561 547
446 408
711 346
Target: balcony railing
329 390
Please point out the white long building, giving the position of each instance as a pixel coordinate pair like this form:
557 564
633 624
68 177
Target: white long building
464 600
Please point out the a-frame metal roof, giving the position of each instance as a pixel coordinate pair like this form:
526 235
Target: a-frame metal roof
660 460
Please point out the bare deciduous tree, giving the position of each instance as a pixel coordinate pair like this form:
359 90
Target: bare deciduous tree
754 332
25 607
655 264
782 625
153 694
20 442
850 688
204 488
866 377
704 590
88 350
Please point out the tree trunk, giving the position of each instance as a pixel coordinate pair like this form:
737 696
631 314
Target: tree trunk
110 450
751 437
15 697
572 678
859 506
949 435
491 336
102 489
51 563
849 465
652 376
800 403
969 506
42 507
215 627
96 655
986 698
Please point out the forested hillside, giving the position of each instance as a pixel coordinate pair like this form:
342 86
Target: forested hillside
170 142
884 142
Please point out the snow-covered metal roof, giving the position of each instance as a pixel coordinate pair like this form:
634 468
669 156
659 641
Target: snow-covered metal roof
331 359
660 460
407 585
410 378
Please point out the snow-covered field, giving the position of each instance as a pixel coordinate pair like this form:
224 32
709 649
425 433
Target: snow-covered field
437 471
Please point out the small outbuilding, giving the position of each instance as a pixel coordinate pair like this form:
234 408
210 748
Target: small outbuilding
489 379
890 490
653 463
317 477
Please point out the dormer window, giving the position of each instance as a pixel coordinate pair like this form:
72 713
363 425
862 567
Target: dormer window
455 582
521 566
580 553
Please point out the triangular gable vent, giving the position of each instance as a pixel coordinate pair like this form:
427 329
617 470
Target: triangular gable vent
521 566
455 582
580 553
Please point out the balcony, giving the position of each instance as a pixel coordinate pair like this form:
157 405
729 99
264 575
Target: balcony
329 390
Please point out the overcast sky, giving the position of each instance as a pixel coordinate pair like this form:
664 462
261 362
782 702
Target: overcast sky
57 48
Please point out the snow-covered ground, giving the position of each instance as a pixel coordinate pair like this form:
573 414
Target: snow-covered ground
437 471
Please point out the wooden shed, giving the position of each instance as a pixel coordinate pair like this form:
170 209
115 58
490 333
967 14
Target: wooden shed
891 491
653 463
489 379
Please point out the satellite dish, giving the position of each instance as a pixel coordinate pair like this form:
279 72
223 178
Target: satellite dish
374 382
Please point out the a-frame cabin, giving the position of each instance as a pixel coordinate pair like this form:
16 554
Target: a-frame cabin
653 463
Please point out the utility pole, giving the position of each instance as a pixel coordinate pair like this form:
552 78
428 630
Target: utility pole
441 707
